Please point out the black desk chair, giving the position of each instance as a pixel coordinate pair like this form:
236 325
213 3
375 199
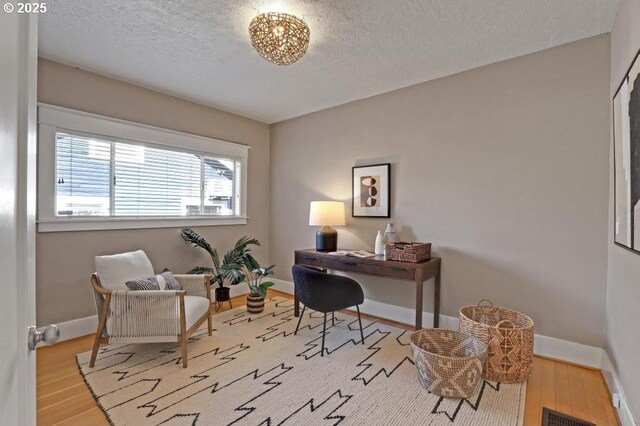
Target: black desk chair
326 293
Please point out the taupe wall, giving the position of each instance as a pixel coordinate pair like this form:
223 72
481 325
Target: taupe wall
65 259
623 285
504 168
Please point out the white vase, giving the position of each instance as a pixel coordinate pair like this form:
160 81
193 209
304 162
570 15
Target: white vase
390 235
379 249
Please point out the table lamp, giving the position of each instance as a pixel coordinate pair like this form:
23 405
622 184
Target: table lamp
325 214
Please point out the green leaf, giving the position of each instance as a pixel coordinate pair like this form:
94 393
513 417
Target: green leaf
263 272
200 270
215 258
251 263
232 257
194 238
234 274
262 291
245 241
267 284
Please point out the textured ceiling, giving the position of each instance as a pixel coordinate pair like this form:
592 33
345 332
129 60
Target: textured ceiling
200 50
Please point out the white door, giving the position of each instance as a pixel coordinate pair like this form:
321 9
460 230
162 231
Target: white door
18 63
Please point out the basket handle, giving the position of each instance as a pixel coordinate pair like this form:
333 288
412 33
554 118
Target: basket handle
508 323
481 304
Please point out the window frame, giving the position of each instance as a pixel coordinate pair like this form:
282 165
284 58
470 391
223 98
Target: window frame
54 119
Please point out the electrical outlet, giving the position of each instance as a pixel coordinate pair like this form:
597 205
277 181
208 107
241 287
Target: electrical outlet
616 399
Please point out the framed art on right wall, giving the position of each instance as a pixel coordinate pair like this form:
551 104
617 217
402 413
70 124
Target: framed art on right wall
626 153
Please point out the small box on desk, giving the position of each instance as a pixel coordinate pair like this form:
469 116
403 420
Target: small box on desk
408 252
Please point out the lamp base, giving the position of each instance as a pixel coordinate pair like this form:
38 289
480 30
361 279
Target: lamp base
326 239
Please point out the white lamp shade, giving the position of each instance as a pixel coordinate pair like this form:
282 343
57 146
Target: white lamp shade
327 213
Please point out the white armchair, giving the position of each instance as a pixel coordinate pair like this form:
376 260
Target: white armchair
146 316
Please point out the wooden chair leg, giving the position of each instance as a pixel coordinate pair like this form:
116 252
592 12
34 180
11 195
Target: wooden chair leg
100 330
299 320
324 331
183 343
183 331
333 319
209 324
94 351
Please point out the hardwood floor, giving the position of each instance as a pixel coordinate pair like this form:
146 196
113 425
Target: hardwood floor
64 399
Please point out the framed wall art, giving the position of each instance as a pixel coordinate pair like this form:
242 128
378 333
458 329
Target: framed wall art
371 191
626 152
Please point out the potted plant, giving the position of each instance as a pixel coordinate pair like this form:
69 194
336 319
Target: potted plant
217 273
245 268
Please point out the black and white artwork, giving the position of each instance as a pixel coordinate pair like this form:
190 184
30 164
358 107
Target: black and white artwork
371 191
626 140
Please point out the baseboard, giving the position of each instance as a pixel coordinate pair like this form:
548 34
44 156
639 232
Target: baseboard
615 387
78 327
282 285
551 347
565 350
236 290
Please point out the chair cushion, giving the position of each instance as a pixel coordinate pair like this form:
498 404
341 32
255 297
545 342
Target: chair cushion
115 270
195 307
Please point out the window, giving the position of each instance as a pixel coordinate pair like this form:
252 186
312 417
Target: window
103 178
95 177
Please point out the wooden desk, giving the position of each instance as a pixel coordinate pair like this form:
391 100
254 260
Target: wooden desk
377 266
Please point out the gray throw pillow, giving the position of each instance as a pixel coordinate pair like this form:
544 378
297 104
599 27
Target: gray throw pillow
171 283
149 283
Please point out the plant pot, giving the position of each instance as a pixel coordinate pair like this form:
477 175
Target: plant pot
255 303
222 294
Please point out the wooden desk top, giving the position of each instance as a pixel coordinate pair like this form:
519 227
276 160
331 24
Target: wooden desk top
378 259
390 268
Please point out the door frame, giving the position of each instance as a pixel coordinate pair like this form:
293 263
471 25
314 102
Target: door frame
26 214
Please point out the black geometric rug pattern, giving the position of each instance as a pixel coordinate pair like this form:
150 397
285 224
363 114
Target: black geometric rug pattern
254 371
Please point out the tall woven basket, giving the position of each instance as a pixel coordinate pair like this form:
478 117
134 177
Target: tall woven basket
449 363
509 338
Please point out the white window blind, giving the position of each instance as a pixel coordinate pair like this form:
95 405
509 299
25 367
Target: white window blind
96 177
83 173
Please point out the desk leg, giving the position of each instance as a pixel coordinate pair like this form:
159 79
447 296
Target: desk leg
296 305
436 301
419 304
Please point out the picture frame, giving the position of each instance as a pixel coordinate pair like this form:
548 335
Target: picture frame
626 153
371 190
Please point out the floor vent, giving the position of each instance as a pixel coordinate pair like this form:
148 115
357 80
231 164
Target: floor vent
554 418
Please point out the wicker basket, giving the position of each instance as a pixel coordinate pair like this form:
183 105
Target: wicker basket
408 252
509 338
449 363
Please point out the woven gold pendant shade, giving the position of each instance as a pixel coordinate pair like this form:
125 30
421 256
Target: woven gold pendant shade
279 38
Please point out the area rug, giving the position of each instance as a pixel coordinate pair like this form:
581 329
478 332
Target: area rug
254 371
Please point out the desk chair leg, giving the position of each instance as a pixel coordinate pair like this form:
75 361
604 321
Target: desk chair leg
360 322
333 318
324 331
299 319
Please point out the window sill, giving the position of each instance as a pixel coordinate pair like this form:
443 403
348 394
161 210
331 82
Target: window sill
100 224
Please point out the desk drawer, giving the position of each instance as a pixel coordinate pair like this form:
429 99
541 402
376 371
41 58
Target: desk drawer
397 272
309 259
352 266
